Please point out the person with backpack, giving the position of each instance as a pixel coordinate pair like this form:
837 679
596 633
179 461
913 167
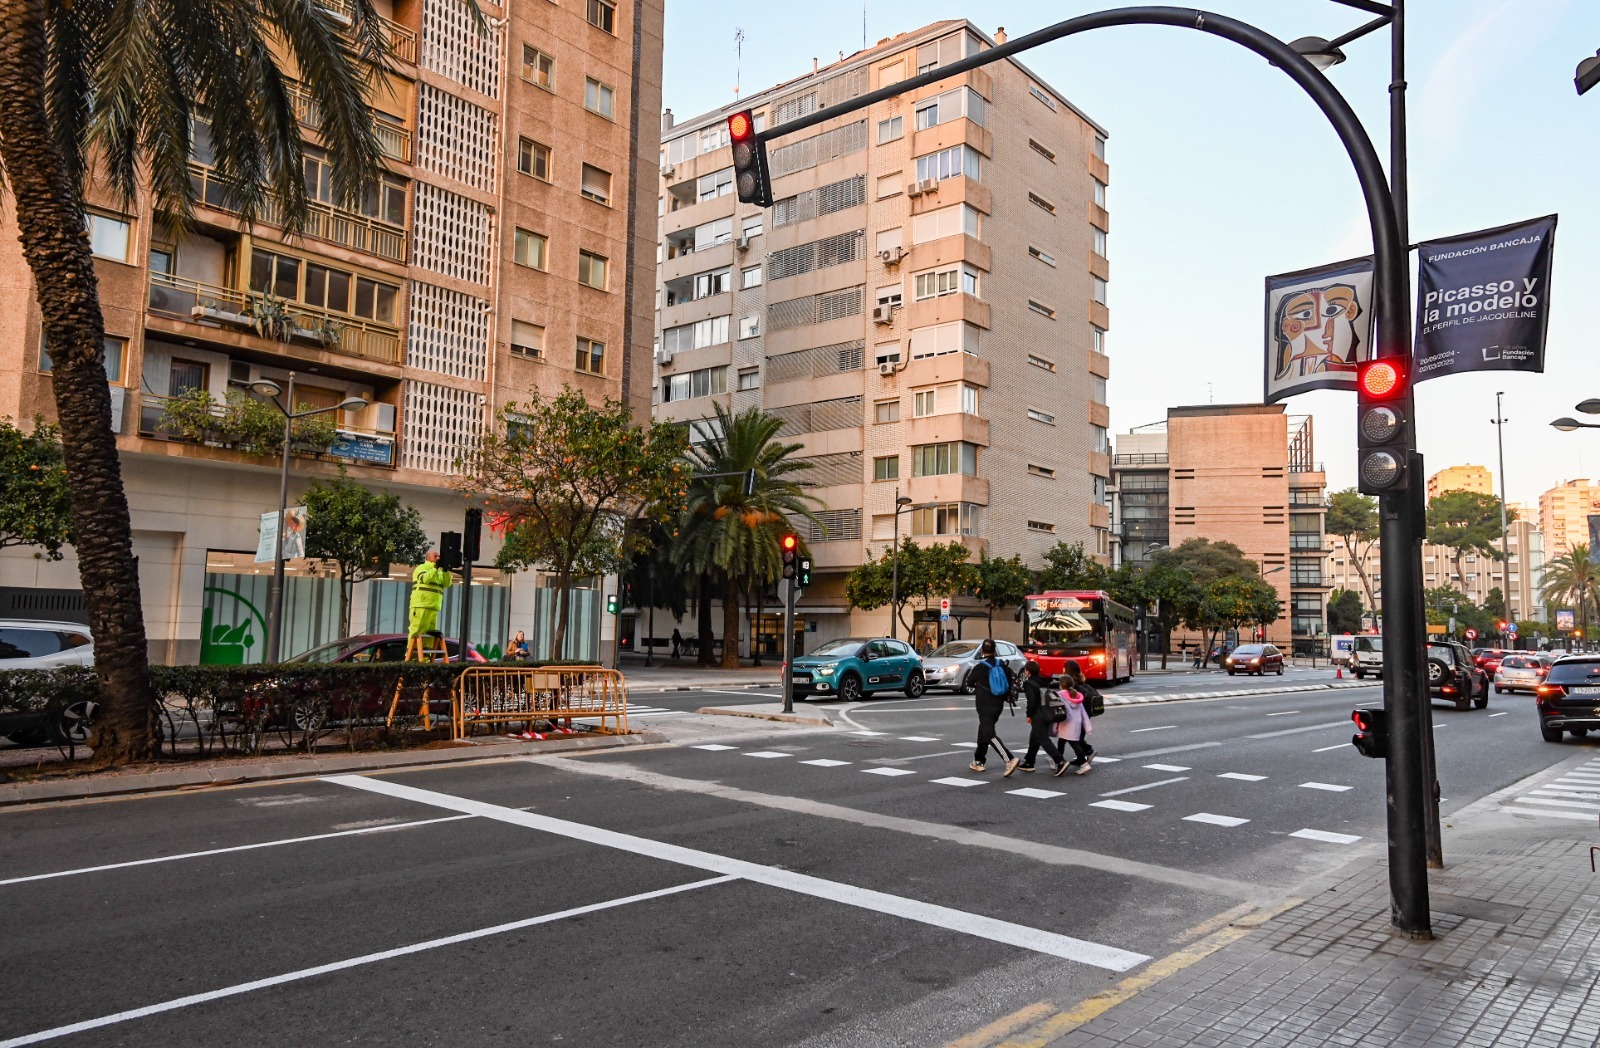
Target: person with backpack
1046 709
1082 702
993 684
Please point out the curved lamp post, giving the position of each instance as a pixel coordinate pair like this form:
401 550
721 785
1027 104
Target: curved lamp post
901 504
271 391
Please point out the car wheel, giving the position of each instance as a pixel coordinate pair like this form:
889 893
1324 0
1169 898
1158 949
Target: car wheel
1550 734
970 685
1280 669
1360 675
308 716
1463 704
915 685
850 688
1482 701
1230 673
1438 673
76 723
1499 690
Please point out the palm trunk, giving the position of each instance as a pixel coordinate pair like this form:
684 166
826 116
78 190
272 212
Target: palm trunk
706 644
55 245
730 623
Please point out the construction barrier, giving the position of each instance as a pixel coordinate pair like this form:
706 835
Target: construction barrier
518 695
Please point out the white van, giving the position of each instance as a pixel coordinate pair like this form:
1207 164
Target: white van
1366 655
1340 648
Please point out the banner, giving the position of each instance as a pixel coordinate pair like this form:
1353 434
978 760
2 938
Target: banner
1564 618
1319 323
294 536
1594 538
1483 300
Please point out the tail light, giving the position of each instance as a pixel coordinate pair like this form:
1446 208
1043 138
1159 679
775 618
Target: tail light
1550 691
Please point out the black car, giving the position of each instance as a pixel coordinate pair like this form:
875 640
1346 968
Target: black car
1454 677
1569 698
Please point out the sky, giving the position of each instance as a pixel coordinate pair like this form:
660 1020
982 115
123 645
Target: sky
1223 172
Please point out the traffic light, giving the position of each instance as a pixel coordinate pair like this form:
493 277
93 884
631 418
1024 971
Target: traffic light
611 604
1372 733
450 550
1384 438
804 575
750 176
790 545
1502 624
472 536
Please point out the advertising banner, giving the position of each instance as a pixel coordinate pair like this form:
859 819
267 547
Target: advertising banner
1594 538
1319 323
1565 618
1483 300
294 536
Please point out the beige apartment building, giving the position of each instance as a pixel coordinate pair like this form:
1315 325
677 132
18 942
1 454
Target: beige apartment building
1564 515
924 306
1240 473
1476 479
506 252
1480 574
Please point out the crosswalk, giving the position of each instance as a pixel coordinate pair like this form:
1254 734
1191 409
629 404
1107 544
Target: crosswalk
1109 801
1575 795
652 711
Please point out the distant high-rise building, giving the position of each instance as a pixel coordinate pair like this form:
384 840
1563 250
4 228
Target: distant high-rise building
1564 515
1461 478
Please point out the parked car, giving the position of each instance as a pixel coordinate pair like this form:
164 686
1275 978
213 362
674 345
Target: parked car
1254 658
1520 672
27 644
1454 677
1569 698
857 667
953 664
378 647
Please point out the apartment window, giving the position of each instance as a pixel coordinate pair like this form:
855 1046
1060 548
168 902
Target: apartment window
108 236
891 73
712 283
1043 150
944 222
1041 309
1099 241
886 468
1099 439
890 129
890 239
1040 202
935 460
887 352
597 184
1099 147
591 356
527 340
1043 96
1042 526
603 15
886 411
592 269
1097 339
750 277
948 281
705 382
1043 256
531 249
538 68
892 296
888 186
954 337
324 287
951 105
1041 362
533 158
1041 471
1099 193
710 332
599 98
924 403
749 327
1042 416
953 518
1097 389
749 378
116 357
751 227
716 184
948 163
715 137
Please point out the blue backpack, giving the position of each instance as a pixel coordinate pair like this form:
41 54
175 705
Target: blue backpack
999 682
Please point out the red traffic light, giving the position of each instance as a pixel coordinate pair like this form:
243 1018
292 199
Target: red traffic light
741 125
790 543
1381 379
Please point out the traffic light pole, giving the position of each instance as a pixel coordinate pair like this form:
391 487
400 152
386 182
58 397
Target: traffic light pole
789 592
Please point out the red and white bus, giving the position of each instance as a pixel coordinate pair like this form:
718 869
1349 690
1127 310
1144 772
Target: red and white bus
1086 626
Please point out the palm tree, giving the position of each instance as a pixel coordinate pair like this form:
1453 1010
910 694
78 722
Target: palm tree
111 87
734 536
1571 578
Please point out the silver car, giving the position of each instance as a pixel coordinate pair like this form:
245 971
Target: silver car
953 664
1520 673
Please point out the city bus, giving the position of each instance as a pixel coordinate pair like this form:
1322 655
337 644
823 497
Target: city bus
1086 626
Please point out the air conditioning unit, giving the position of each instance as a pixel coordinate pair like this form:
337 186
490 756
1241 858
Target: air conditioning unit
892 256
887 368
914 189
883 315
928 185
743 244
668 172
661 356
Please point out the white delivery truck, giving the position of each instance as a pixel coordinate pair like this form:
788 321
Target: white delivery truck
1366 655
1340 648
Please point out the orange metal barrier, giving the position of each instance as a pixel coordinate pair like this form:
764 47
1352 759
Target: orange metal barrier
521 695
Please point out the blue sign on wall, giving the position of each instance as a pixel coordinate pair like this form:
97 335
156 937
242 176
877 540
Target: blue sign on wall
362 449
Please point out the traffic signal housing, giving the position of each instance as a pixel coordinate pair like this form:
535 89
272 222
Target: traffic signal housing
750 177
1384 435
611 604
450 550
1372 733
803 575
789 544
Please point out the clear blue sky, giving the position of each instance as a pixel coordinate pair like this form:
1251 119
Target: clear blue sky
1223 172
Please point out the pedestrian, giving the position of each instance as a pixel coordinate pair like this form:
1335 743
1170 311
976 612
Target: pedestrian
1078 694
517 647
1046 709
994 686
677 641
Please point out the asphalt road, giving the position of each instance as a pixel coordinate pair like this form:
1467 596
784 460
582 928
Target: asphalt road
746 884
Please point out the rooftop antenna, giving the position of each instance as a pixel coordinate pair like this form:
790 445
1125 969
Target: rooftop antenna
863 25
738 59
1209 398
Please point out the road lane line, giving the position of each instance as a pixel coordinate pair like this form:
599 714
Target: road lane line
1119 805
1215 820
1146 786
1328 786
823 762
1502 713
1297 731
954 781
352 962
1241 776
1285 713
768 754
1325 837
1325 749
889 771
1167 767
1038 940
228 851
1163 727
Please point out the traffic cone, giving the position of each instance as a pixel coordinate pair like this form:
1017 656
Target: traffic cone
1338 671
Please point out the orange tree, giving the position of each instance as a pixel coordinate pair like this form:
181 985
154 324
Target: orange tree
35 506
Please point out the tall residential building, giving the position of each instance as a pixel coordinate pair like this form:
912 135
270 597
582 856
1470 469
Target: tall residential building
1519 579
502 254
1564 515
1461 478
1240 473
924 306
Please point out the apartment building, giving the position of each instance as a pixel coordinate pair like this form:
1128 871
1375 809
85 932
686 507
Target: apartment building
502 255
924 306
1476 479
1240 473
1564 515
1519 579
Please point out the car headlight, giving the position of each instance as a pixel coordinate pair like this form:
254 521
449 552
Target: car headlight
828 670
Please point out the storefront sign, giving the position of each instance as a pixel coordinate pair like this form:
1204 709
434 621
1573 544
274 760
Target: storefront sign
360 448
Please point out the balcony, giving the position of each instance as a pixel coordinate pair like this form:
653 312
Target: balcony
362 446
336 226
334 332
1147 459
394 139
402 41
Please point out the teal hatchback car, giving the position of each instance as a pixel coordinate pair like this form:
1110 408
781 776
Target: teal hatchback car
854 668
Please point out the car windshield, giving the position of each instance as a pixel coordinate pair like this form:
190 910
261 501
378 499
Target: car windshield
955 649
1248 650
1369 644
1575 671
323 653
1515 663
839 649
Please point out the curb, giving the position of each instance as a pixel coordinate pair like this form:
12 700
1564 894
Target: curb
1132 700
72 789
788 718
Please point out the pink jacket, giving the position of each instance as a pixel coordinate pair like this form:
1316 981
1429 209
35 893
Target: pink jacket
1077 726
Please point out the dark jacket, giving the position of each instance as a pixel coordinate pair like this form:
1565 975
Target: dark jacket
1035 693
984 695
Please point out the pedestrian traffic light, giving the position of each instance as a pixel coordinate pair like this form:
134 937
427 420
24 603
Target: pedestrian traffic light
804 575
450 550
749 160
611 604
1384 438
472 536
1372 733
790 546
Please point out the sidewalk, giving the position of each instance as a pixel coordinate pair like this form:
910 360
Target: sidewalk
1513 961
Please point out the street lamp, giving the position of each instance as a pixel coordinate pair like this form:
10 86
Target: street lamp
271 390
1588 73
1588 407
1271 571
1322 53
901 504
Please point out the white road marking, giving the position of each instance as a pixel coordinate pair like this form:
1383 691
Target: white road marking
919 738
1106 760
1326 837
1215 820
954 781
1036 939
1297 731
279 801
1553 814
714 746
1590 795
1120 805
1330 787
1502 713
229 851
1241 776
352 962
1167 767
1325 749
1163 727
869 733
1146 786
1559 804
823 762
887 771
1284 713
768 754
1029 791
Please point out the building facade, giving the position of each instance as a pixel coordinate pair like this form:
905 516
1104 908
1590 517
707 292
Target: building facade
1519 579
1564 515
924 306
502 255
1476 479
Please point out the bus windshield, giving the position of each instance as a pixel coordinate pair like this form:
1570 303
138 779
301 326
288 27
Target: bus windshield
1064 623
